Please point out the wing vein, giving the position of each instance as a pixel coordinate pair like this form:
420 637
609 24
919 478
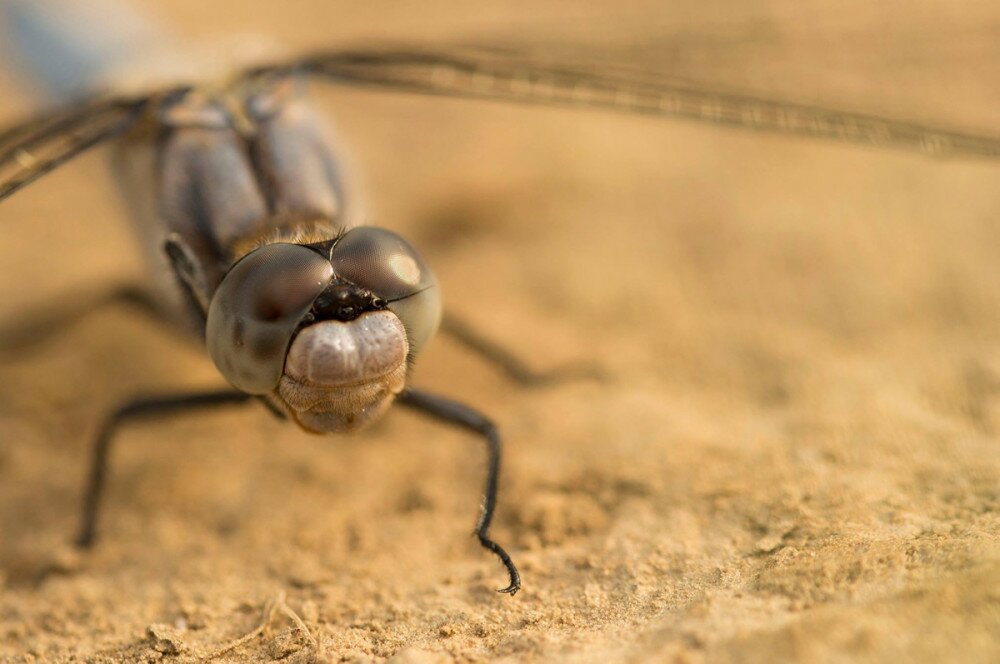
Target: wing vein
488 75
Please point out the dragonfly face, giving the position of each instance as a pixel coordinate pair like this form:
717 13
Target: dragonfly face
325 330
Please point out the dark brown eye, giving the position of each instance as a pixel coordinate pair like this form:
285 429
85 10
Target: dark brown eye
389 267
256 309
382 262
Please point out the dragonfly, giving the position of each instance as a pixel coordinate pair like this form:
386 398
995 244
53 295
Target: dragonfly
318 321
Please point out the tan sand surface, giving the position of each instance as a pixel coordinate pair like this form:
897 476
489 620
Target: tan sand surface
796 455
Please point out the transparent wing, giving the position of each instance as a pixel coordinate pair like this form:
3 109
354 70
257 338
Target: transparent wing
31 149
509 75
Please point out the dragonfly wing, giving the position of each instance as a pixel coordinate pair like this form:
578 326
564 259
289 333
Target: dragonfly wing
30 149
507 75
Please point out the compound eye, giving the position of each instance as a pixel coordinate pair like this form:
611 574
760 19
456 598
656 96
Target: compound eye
382 262
420 314
387 265
256 310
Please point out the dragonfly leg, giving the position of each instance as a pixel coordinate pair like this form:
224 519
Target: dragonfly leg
137 408
38 326
464 416
513 367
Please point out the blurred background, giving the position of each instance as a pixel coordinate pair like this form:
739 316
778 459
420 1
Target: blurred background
794 459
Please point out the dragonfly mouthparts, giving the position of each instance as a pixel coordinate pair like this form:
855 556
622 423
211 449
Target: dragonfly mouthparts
344 301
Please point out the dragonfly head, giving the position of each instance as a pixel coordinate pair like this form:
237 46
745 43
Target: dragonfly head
327 330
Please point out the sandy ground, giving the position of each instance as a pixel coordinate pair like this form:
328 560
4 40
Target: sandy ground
795 457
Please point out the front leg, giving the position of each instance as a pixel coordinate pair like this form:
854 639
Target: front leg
132 410
468 418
